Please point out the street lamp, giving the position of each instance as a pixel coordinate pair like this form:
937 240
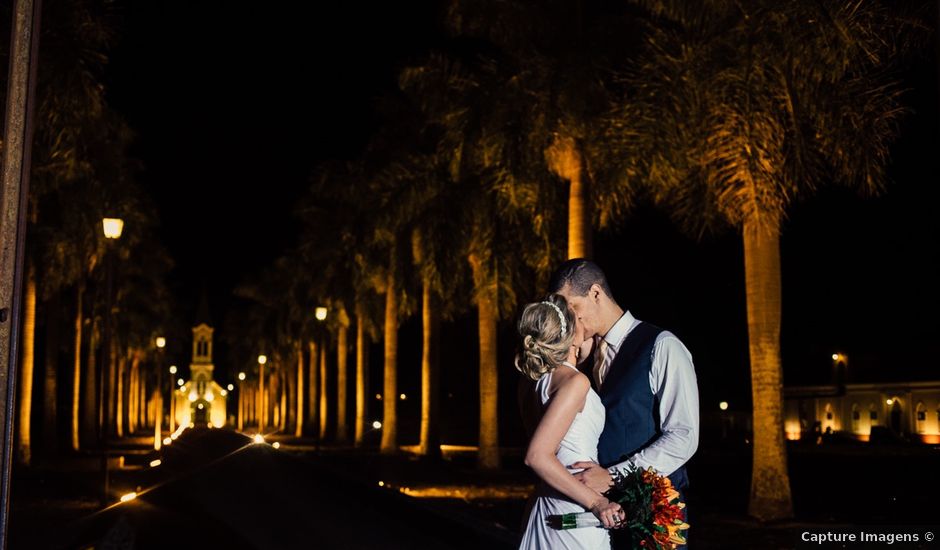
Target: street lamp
161 342
172 369
112 228
320 313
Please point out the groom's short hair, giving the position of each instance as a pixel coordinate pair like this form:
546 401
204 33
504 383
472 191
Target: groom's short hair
579 274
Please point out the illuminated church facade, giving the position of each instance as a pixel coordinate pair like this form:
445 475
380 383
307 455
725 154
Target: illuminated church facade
200 400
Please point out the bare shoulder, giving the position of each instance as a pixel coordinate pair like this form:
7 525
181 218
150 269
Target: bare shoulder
570 380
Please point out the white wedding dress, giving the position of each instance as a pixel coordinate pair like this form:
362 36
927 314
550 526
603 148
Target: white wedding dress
578 445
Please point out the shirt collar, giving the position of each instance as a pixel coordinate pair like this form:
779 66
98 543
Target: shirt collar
619 331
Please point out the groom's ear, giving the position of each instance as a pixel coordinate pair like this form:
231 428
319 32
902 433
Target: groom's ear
595 293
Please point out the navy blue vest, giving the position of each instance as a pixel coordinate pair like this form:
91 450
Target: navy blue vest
632 408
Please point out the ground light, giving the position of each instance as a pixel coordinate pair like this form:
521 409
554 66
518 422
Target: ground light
276 445
258 438
128 497
155 463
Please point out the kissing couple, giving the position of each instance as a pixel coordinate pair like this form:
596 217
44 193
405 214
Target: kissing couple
601 392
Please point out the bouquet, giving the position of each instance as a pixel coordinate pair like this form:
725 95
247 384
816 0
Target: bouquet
651 504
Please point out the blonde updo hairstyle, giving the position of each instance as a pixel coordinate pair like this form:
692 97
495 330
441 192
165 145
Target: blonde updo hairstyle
544 347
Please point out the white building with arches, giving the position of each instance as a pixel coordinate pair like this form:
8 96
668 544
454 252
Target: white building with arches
200 400
908 409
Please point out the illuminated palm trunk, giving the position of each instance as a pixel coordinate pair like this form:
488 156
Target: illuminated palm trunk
313 381
23 448
429 443
390 382
299 424
324 400
74 419
121 367
157 400
488 455
566 159
362 379
770 485
50 378
342 353
132 398
90 419
282 408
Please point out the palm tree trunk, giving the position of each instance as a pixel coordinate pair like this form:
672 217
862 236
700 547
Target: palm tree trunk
119 392
488 456
362 378
313 377
50 379
23 448
324 400
389 394
566 159
430 444
90 394
157 400
74 422
770 484
132 398
299 425
282 408
342 354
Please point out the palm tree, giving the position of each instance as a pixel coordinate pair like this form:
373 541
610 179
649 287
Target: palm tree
732 111
504 218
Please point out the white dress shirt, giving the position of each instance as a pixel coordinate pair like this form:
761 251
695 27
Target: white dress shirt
672 380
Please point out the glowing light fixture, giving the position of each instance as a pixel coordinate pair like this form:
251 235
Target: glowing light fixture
241 376
200 406
161 342
167 441
276 445
320 313
723 405
128 497
403 397
180 382
172 369
231 387
258 438
381 484
262 359
223 393
378 396
155 463
835 356
890 402
192 396
377 425
113 227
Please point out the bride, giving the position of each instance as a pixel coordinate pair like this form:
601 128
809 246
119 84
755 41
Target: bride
564 418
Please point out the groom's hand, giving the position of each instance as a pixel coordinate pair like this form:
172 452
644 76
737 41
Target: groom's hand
596 477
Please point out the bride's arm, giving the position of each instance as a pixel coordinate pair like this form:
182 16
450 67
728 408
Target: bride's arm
560 413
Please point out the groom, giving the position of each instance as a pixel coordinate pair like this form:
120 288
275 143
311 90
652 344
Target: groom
645 378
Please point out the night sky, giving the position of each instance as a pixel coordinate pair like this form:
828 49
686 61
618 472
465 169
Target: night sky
238 104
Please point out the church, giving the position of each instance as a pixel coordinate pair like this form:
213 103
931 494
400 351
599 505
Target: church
200 400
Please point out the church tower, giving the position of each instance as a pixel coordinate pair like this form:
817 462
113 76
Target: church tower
203 400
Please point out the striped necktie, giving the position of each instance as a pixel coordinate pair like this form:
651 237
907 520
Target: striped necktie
601 364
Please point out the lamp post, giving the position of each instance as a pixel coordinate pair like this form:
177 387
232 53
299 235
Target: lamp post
112 228
262 410
840 363
241 402
320 313
173 371
160 342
